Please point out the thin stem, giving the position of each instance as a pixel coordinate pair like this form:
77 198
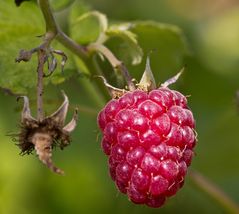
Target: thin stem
40 74
77 49
214 191
51 24
51 32
99 73
96 47
127 76
117 64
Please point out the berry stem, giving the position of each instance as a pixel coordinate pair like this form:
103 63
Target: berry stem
214 191
117 64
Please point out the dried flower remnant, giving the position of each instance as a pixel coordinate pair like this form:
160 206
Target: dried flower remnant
43 135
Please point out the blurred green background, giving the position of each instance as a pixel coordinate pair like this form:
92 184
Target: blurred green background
211 30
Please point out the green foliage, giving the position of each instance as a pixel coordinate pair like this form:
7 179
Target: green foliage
22 31
18 31
128 48
88 27
128 41
167 43
27 187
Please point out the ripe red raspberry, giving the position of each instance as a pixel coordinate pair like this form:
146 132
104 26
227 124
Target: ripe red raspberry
149 138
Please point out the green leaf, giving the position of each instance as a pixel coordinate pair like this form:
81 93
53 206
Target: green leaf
89 27
127 47
81 66
168 42
18 30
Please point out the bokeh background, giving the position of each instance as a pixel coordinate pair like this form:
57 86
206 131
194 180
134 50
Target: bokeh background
211 30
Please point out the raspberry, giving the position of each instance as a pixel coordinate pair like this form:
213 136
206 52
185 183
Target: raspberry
149 138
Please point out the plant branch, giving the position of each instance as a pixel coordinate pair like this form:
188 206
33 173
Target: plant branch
51 24
214 191
69 43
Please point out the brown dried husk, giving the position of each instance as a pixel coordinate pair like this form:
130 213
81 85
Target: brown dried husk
60 138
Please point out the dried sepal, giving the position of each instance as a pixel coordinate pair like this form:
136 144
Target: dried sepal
52 64
173 79
147 81
59 115
63 58
26 112
114 92
72 124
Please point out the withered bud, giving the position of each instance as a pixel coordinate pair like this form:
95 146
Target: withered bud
24 56
42 136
